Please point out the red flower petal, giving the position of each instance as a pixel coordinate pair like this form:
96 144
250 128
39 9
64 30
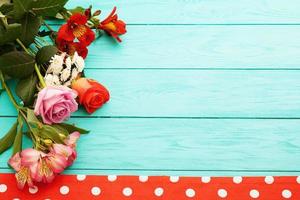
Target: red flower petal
78 19
88 37
81 49
65 33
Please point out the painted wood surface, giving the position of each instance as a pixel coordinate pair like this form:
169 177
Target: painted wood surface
195 93
198 88
210 47
200 11
181 144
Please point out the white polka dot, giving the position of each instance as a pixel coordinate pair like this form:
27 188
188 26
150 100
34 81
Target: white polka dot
112 178
143 179
16 199
96 191
222 193
3 188
159 191
286 194
298 179
127 191
190 193
174 179
254 194
64 190
33 190
269 179
81 177
237 179
205 179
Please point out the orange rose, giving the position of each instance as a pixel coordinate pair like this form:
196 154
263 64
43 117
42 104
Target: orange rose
92 95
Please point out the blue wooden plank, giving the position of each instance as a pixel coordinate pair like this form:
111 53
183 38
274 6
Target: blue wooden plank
190 146
272 47
204 11
195 93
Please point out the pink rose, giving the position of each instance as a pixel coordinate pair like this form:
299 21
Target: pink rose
55 104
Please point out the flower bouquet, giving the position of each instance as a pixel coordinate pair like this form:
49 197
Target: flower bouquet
48 68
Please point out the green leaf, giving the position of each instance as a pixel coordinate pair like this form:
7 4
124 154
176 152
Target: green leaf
17 147
31 118
45 54
17 64
30 28
46 8
78 9
21 7
10 33
9 138
72 128
7 48
26 89
51 132
61 129
6 8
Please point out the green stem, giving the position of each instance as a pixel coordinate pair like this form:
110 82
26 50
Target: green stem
41 78
9 93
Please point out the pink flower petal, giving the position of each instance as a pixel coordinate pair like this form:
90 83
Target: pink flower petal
15 162
30 157
72 139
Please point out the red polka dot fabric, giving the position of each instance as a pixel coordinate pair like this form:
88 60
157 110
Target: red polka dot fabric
114 187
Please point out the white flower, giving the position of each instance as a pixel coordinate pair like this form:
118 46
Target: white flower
68 63
55 69
49 79
55 80
57 60
74 74
65 74
68 83
78 61
74 58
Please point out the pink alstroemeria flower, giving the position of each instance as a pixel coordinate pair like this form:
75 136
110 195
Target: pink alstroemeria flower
68 150
23 174
43 166
32 165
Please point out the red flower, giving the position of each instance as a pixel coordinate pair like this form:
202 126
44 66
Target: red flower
92 95
76 28
113 26
71 47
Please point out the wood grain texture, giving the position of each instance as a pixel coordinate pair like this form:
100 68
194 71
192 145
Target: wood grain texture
181 145
199 11
195 93
254 47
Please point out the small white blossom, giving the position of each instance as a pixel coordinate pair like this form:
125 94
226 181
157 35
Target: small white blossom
57 60
68 63
49 79
74 74
74 58
55 69
55 80
68 83
65 74
78 61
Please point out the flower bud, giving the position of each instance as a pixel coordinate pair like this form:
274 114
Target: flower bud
47 142
96 13
62 136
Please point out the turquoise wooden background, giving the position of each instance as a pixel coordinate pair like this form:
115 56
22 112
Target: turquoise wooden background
198 87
